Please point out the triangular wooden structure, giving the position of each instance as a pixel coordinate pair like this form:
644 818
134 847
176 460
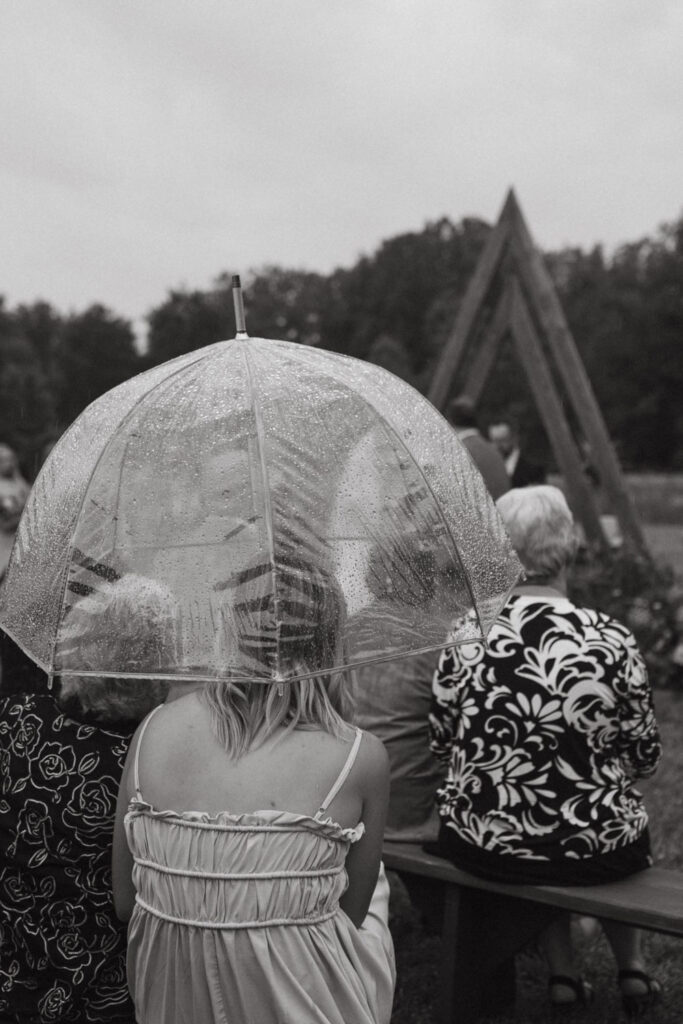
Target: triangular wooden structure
529 309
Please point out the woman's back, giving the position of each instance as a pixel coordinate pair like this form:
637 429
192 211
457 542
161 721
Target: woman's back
545 729
184 766
237 912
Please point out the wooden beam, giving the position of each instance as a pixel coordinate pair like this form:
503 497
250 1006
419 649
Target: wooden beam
479 285
549 311
488 349
533 360
652 898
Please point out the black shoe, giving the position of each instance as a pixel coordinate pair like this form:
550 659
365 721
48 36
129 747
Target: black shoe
635 1003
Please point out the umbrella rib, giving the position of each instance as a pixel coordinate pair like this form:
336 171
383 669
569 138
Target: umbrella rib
138 402
267 504
192 677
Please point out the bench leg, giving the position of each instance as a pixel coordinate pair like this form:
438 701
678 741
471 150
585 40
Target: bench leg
426 897
500 989
482 932
459 992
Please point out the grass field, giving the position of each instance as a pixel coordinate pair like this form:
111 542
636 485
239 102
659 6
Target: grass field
658 498
659 501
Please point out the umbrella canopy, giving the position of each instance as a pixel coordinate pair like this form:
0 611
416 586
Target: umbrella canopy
230 514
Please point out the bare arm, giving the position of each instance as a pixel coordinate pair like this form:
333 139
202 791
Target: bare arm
122 859
363 859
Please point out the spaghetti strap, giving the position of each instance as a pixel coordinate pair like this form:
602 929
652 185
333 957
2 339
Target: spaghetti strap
136 772
343 774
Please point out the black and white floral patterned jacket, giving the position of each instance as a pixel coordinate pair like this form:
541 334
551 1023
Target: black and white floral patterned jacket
544 730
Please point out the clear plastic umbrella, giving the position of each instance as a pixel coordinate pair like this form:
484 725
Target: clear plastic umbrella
189 519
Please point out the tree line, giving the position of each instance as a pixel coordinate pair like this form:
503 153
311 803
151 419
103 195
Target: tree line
394 308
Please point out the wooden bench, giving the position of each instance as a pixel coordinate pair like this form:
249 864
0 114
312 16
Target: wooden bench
486 923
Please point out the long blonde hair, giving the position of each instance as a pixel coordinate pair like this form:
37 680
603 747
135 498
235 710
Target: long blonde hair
308 619
244 715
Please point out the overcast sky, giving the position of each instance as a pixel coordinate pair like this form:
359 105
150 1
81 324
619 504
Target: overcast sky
150 144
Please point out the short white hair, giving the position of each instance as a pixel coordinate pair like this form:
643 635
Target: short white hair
136 620
541 528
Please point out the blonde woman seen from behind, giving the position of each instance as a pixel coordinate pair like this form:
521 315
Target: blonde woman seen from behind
248 842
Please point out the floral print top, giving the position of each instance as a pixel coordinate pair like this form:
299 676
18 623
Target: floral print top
543 731
62 950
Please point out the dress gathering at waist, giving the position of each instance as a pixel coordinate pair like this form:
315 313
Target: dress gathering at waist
237 871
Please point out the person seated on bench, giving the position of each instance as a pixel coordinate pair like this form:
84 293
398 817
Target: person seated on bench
392 700
543 730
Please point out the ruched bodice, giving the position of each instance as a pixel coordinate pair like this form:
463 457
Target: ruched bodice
282 868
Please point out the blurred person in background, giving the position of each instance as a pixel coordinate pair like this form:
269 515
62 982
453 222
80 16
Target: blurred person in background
462 414
62 750
392 700
544 730
14 491
521 469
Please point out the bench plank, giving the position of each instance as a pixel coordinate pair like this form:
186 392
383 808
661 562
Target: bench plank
651 899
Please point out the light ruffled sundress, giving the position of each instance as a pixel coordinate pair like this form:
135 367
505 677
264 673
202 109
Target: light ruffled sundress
237 919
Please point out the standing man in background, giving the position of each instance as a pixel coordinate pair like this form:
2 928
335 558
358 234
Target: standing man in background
521 470
461 413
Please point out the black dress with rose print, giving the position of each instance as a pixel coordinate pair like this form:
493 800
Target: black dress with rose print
62 950
544 730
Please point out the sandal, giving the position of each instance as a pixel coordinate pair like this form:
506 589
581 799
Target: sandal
635 1003
583 992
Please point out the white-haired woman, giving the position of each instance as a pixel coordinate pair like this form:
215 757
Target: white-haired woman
248 838
544 730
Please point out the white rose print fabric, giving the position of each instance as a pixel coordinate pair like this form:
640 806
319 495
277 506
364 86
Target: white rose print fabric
62 950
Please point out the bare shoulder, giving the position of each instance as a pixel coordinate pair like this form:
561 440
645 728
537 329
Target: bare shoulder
183 710
372 775
372 756
174 744
176 723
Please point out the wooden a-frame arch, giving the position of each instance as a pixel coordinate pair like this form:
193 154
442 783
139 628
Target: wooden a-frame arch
529 309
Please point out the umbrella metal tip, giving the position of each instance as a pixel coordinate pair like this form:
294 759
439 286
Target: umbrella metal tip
239 307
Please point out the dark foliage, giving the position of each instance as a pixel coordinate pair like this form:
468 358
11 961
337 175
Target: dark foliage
95 351
639 594
184 322
27 413
626 315
396 308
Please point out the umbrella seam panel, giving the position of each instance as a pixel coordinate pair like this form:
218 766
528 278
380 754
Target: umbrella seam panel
138 402
268 509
